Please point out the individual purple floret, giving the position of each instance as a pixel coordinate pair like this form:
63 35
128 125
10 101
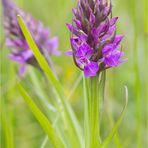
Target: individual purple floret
15 39
93 37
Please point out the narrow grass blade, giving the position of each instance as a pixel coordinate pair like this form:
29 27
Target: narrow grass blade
145 10
70 116
116 138
75 85
115 128
102 93
44 142
54 125
86 112
42 94
7 128
46 125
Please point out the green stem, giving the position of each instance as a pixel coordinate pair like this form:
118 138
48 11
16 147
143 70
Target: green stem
145 36
92 112
71 120
116 137
6 119
137 74
86 114
145 12
75 86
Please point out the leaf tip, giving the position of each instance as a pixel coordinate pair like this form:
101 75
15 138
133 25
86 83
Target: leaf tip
126 94
18 17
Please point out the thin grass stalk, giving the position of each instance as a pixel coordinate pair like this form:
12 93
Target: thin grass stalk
44 142
75 85
137 94
65 131
137 75
60 110
41 93
6 118
108 139
116 137
145 12
86 113
46 138
145 34
5 94
55 107
7 125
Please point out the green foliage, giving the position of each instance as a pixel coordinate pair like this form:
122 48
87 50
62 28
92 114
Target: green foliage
73 124
18 127
42 119
116 126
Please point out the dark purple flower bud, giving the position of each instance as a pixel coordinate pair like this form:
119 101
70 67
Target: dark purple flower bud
93 37
15 39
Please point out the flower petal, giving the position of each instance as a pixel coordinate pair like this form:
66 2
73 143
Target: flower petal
78 23
113 59
16 58
109 33
113 21
91 69
75 42
52 46
84 51
92 18
69 52
27 54
117 40
72 28
108 48
22 70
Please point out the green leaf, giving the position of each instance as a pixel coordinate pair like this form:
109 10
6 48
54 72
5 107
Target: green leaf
115 128
7 126
44 98
75 129
75 85
44 142
44 122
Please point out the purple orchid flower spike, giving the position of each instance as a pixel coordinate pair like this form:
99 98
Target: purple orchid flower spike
15 39
93 37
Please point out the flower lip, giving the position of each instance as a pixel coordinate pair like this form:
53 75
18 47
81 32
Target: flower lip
84 51
91 69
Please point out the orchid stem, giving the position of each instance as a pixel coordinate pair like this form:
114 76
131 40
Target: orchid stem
92 112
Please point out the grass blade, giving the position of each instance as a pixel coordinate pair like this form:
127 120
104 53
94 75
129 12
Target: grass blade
6 122
115 128
46 125
70 116
44 142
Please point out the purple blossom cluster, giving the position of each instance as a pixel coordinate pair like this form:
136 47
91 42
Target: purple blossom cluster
93 37
15 39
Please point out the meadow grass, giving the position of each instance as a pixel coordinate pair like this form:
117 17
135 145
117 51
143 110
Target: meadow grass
18 126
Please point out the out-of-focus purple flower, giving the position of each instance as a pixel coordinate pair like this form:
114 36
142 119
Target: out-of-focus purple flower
93 37
15 39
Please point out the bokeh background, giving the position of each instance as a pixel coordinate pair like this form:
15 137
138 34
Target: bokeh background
19 127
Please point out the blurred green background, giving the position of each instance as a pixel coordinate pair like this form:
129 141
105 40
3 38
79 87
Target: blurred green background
18 126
